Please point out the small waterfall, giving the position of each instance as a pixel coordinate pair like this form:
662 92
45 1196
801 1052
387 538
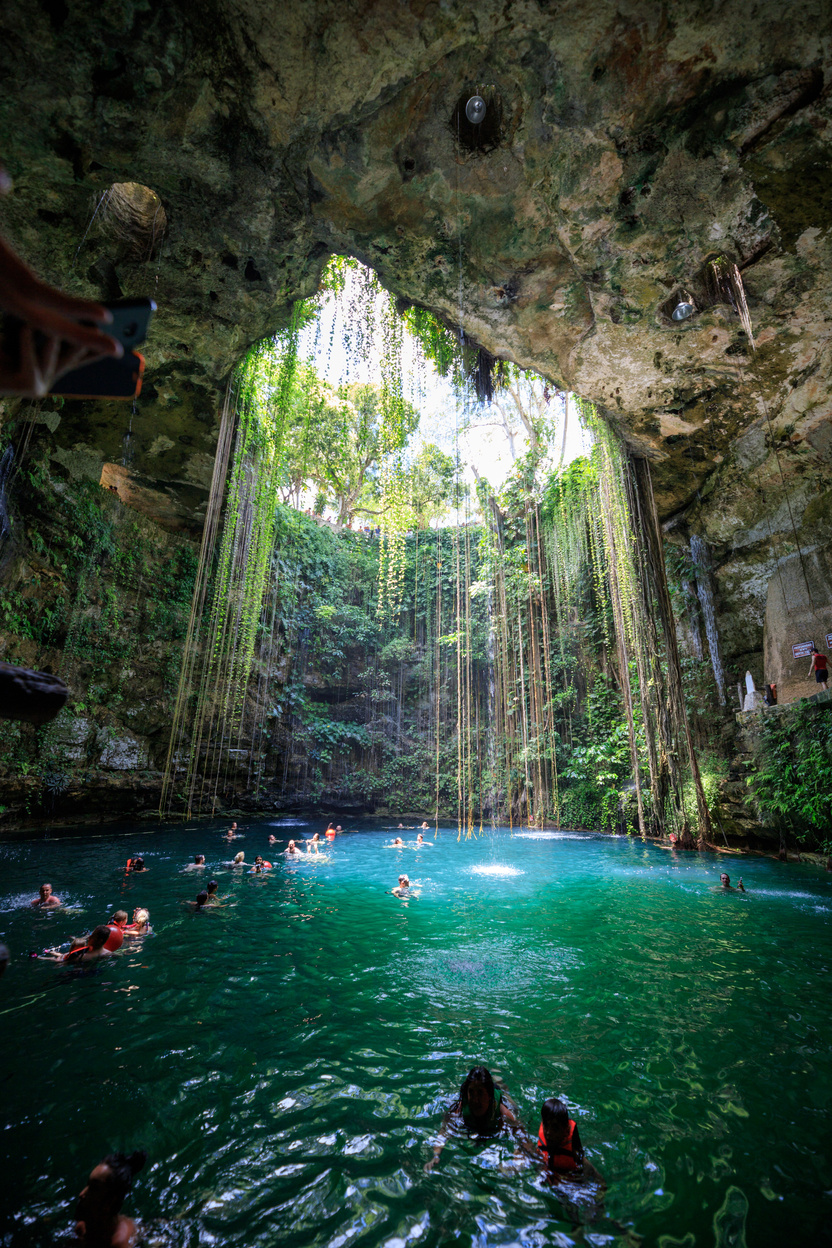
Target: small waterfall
704 588
725 282
690 596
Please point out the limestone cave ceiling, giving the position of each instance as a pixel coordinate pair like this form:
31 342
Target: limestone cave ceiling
625 144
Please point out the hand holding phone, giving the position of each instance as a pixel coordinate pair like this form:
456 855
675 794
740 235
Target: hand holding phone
45 331
111 378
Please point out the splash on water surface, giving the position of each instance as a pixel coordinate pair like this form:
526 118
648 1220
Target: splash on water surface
497 868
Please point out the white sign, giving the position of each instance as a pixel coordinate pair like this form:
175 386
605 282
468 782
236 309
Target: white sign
829 641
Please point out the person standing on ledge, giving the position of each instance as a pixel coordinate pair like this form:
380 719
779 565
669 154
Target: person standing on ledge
819 668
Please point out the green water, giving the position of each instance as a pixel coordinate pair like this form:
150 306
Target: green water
286 1061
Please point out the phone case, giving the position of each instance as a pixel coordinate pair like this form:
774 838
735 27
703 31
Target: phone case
107 379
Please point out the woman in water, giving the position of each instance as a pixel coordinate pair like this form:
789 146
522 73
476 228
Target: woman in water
141 923
239 859
99 1220
482 1108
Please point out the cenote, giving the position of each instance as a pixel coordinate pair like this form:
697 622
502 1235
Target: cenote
286 1060
478 479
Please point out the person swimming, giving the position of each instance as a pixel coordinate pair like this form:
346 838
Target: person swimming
420 840
261 862
116 925
141 923
403 887
91 950
99 1222
398 843
425 826
239 859
558 1138
291 851
211 889
482 1107
46 899
200 903
725 882
272 838
135 865
198 863
314 844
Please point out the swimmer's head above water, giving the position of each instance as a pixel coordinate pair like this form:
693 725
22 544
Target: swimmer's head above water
238 858
97 1211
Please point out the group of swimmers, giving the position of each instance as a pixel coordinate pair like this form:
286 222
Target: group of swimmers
105 938
484 1109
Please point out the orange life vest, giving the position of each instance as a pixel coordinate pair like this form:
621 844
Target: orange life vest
116 938
564 1158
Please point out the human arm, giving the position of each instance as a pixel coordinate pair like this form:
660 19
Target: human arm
741 886
62 342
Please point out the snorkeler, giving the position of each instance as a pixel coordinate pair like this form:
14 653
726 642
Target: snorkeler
725 882
482 1107
46 899
99 1220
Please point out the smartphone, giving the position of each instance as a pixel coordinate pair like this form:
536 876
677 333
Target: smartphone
110 378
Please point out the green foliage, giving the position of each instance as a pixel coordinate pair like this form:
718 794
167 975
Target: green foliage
791 777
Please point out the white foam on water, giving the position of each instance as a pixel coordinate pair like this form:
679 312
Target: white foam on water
496 868
551 836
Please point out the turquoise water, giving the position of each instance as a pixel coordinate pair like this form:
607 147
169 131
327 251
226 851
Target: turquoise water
286 1060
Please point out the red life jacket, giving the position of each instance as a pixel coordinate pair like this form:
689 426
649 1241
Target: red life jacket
116 938
564 1158
75 955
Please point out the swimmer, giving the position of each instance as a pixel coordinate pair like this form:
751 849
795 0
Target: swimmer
232 833
116 925
265 866
725 882
211 888
398 843
403 887
46 899
198 863
314 844
425 826
272 839
291 851
338 829
420 840
483 1108
99 1220
200 903
239 859
91 950
135 865
141 923
401 825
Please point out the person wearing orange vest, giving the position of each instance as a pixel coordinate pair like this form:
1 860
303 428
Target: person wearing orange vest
116 925
558 1138
92 950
